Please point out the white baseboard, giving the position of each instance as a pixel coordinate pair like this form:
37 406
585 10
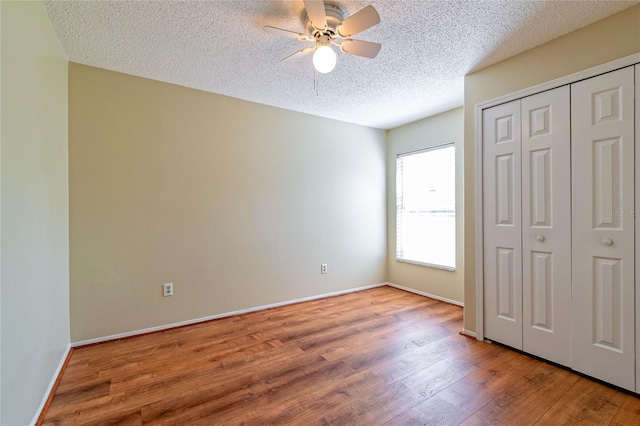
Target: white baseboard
429 295
228 314
223 315
50 388
469 333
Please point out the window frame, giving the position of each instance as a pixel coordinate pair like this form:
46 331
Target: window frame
397 228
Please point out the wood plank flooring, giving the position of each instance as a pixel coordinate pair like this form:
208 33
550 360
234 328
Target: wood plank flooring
376 357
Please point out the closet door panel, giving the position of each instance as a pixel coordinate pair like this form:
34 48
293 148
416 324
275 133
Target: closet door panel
546 225
602 149
502 224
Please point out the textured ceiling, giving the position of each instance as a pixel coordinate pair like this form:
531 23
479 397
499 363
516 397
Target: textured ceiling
220 47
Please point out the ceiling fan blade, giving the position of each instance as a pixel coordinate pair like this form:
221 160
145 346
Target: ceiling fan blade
316 13
359 21
361 48
295 55
286 33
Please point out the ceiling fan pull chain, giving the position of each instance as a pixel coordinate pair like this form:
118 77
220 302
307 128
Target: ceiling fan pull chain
315 81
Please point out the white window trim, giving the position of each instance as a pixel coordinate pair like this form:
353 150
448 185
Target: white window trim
428 265
420 151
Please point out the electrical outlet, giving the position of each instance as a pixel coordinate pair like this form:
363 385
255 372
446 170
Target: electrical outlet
323 268
167 289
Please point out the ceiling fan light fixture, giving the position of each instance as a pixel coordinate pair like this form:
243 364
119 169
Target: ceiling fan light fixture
324 59
325 23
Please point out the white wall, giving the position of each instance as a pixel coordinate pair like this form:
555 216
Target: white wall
34 217
237 204
436 130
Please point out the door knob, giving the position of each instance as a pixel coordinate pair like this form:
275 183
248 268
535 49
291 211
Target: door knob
540 237
607 241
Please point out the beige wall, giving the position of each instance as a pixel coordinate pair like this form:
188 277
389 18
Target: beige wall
442 128
235 203
612 38
34 217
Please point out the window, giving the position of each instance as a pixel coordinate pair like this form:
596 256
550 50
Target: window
426 207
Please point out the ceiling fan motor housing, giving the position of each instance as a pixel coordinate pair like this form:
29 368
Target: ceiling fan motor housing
335 16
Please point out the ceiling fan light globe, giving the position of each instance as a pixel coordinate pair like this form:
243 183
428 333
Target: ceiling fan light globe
324 59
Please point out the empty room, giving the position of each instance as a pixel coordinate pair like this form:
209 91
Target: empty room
304 212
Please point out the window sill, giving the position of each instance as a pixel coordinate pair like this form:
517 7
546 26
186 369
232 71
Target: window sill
428 265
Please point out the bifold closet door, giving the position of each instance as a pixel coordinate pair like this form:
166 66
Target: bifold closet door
502 224
602 152
546 225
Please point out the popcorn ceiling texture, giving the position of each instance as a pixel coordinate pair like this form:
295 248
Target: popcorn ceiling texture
220 47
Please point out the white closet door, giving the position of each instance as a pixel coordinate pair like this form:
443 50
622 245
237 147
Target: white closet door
602 149
502 224
546 225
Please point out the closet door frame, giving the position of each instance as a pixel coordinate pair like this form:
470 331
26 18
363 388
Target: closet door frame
479 222
637 219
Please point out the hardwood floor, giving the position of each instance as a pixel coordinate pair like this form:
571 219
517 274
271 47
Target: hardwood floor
377 357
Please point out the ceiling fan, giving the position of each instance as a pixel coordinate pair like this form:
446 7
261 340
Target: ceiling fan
326 25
